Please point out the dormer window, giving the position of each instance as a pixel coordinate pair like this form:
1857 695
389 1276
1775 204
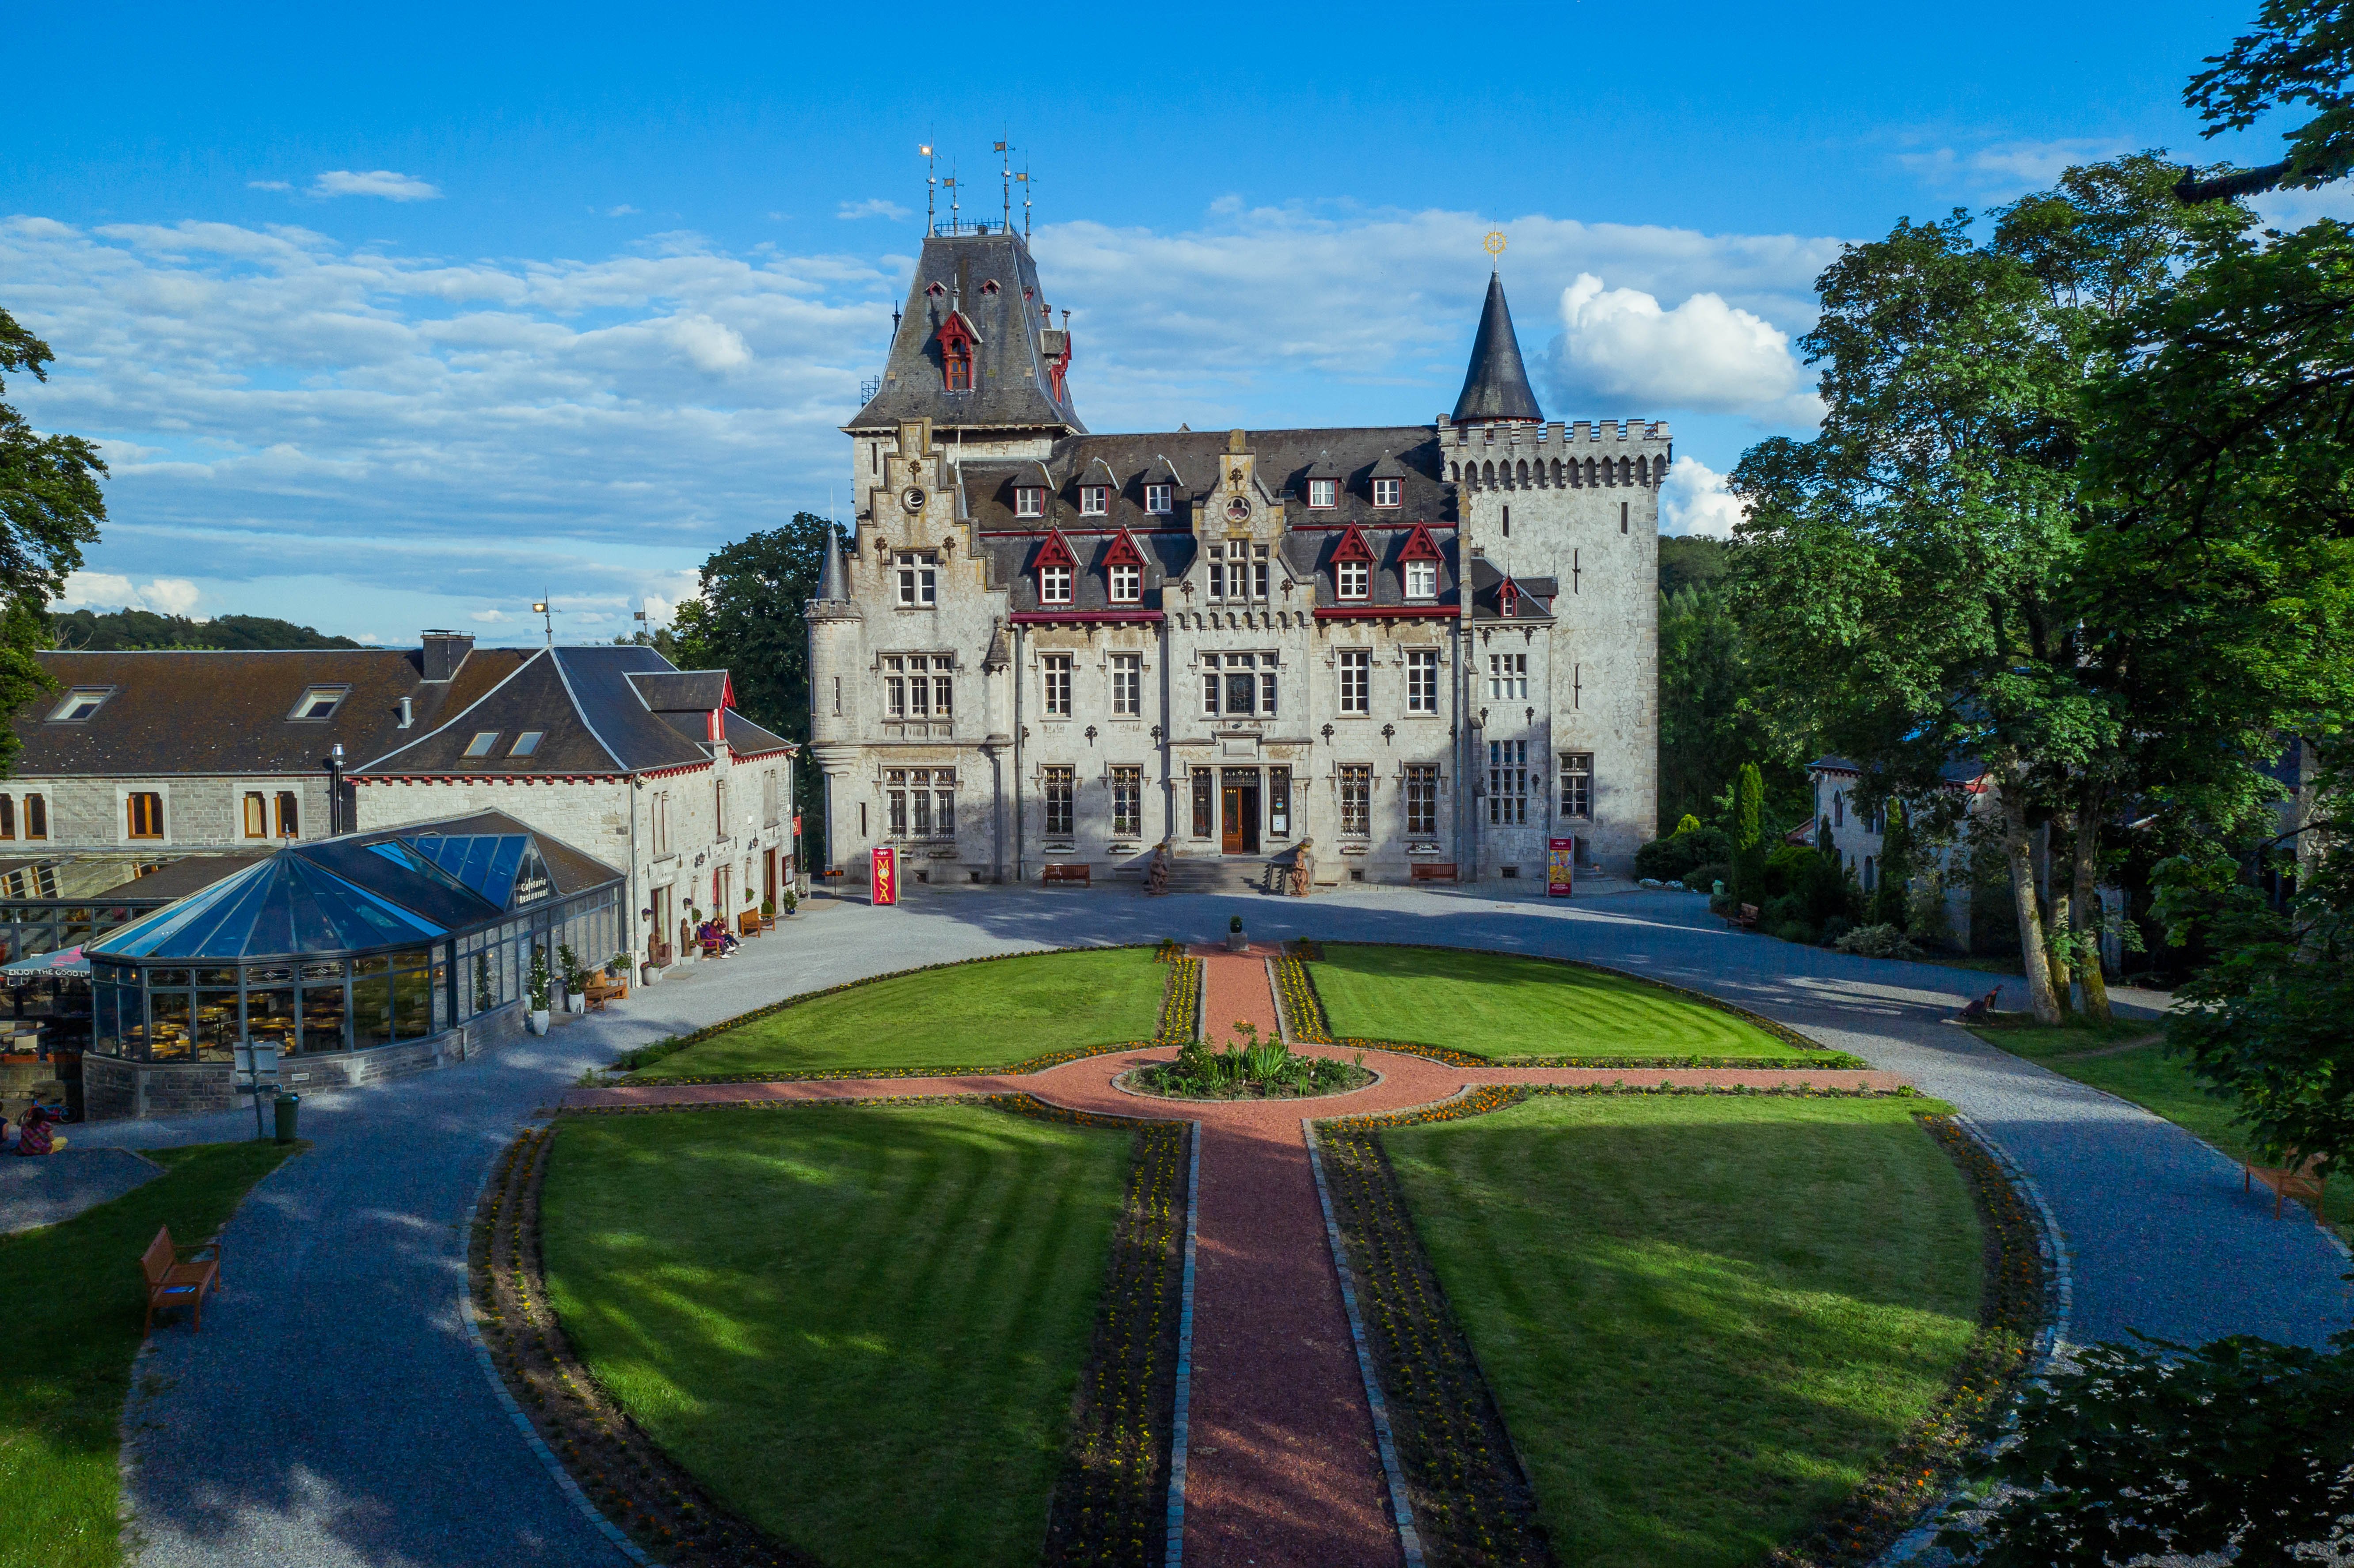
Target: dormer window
1053 585
956 341
989 285
936 291
1508 600
1029 501
1422 580
1388 492
1124 571
1057 569
319 702
1324 495
1095 500
1127 585
1354 579
1352 566
81 703
1159 500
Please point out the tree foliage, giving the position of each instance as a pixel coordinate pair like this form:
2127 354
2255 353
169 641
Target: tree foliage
50 506
139 629
2302 53
2158 1451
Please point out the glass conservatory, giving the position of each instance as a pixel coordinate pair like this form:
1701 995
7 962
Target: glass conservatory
349 945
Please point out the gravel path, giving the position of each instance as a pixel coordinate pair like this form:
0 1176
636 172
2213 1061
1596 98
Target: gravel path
331 1412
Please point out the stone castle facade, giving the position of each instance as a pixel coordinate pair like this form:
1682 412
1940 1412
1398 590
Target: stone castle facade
1428 646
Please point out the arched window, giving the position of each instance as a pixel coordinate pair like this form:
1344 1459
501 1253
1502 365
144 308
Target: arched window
1524 472
1487 472
1590 480
1455 471
1556 473
1625 471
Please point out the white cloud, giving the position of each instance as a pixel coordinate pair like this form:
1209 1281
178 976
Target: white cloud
709 345
491 616
1695 501
2294 209
1618 345
110 591
374 183
624 210
268 185
1999 170
873 207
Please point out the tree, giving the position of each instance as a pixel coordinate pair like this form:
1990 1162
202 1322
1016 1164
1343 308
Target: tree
2241 1447
140 629
1916 582
748 620
2302 54
1891 898
1748 839
50 506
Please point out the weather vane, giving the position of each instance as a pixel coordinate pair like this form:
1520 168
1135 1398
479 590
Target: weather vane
1494 244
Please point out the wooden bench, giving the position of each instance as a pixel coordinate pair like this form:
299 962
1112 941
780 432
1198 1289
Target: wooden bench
749 923
2302 1180
1073 871
1431 871
1746 917
600 992
174 1280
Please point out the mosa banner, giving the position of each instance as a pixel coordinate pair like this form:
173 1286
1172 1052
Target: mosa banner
1561 859
886 875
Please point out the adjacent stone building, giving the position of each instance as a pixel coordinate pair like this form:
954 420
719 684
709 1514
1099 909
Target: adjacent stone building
142 764
1426 649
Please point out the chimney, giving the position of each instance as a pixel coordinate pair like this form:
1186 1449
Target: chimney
407 712
444 651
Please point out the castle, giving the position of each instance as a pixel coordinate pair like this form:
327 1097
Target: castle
1423 649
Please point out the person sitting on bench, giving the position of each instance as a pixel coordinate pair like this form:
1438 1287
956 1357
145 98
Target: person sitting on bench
33 1135
717 939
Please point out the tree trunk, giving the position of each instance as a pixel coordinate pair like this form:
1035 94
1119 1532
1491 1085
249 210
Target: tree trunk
2061 969
2018 849
2090 915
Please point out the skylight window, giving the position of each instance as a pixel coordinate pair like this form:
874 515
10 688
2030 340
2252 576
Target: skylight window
320 702
482 744
81 703
527 742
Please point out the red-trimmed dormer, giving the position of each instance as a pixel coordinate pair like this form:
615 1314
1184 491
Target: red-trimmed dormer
719 713
1418 565
1057 570
1124 570
1352 566
957 340
1508 598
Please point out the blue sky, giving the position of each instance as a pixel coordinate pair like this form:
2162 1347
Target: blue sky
390 320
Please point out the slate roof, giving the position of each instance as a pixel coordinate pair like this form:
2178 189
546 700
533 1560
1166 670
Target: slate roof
1496 386
1536 594
595 710
1018 338
1282 459
205 711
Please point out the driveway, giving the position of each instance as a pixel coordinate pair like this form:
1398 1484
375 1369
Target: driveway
332 1412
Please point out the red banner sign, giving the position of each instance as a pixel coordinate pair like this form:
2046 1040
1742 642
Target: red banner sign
1560 863
886 875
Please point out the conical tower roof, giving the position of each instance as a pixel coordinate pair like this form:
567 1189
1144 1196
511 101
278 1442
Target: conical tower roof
831 587
1497 384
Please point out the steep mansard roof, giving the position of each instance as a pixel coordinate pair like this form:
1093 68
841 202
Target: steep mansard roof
1496 387
1195 461
1016 342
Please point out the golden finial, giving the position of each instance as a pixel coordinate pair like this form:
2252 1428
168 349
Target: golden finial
1494 243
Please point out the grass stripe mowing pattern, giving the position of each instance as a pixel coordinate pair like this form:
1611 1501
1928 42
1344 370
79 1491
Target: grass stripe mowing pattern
977 1016
860 1326
73 1325
1703 1318
1504 1007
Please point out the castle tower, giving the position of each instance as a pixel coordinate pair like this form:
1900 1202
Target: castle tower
835 633
1496 386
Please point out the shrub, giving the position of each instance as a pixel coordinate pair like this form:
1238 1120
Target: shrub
1796 931
1669 858
1836 928
1705 878
1880 941
1235 923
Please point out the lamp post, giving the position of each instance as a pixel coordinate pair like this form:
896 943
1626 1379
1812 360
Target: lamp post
335 789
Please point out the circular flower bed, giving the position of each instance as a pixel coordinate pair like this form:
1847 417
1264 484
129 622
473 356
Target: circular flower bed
1249 1068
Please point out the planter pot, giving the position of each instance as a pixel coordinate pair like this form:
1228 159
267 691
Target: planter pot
537 1020
575 1003
1238 940
648 974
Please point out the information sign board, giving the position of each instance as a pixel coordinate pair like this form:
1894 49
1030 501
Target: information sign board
1561 860
886 875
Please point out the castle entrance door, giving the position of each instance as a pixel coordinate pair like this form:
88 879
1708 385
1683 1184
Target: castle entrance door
1238 812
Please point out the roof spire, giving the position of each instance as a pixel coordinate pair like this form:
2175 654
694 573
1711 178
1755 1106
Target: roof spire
830 589
1496 387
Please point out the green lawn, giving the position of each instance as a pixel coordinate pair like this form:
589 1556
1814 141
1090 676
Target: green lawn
974 1015
1702 1318
2154 1081
75 1304
860 1326
1505 1007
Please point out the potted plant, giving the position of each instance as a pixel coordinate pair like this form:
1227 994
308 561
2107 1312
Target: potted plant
576 978
791 902
536 989
1235 941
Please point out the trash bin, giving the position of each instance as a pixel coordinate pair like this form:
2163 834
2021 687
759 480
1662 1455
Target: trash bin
289 1107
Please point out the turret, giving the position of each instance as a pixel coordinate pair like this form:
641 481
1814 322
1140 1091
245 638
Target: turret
1496 387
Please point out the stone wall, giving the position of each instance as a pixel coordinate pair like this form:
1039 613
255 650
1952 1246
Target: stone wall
200 811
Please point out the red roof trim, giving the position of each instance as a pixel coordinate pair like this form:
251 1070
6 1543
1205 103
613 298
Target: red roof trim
1387 613
1386 525
1055 552
1420 546
1077 617
1123 552
1352 546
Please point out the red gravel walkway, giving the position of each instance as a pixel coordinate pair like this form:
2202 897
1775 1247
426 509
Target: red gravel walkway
1281 1470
